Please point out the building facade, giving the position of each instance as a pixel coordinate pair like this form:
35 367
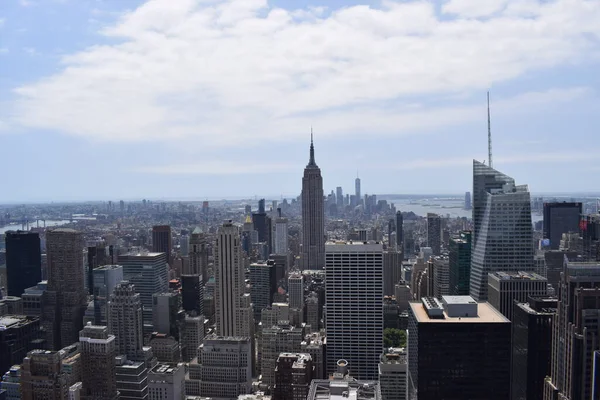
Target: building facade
23 261
459 263
434 233
313 215
393 374
98 351
504 288
560 218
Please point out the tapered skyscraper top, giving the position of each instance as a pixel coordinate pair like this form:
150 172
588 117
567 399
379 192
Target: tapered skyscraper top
311 161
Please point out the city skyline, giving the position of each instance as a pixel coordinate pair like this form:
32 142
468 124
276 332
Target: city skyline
137 127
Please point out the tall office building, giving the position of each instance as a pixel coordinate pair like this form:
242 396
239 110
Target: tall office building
393 374
198 255
392 271
296 291
459 263
458 349
354 327
43 377
339 197
357 196
434 233
575 330
277 339
400 231
263 225
104 280
65 299
232 304
132 379
192 294
293 374
18 335
148 272
23 261
225 367
468 205
98 352
504 288
440 277
263 284
281 234
560 218
531 347
125 321
162 240
167 315
503 230
313 215
192 336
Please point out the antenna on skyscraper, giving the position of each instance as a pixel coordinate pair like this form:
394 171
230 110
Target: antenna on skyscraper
489 132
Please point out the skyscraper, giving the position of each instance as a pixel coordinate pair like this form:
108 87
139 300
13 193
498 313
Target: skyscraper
263 284
23 261
65 300
313 215
293 374
233 308
575 331
399 231
98 352
162 241
125 321
296 291
503 230
560 218
263 225
198 262
458 349
357 191
281 234
354 328
339 197
434 233
459 263
192 294
504 288
42 376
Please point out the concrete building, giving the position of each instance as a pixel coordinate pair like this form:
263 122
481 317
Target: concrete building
403 296
165 348
98 351
293 374
33 299
281 235
434 233
167 315
42 376
392 271
296 291
125 321
225 367
162 240
282 338
272 315
198 255
503 228
23 261
313 215
504 288
232 303
192 336
132 379
312 312
105 280
575 328
440 276
343 386
11 383
19 334
166 382
531 347
458 332
315 344
560 218
354 299
65 299
393 374
148 272
12 304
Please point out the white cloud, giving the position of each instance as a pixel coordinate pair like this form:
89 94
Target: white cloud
473 8
208 167
219 72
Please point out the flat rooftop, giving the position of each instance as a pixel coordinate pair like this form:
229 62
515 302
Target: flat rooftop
516 276
485 314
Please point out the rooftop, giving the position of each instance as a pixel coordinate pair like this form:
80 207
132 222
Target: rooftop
486 314
516 275
107 267
14 321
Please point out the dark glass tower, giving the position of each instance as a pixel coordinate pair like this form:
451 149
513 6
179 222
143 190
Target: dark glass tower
23 261
460 263
560 218
313 215
262 224
162 240
399 231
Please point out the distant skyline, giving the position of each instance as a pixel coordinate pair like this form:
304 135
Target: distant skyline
214 99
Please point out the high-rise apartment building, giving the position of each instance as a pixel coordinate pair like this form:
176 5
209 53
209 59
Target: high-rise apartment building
293 374
531 347
98 351
125 321
162 240
225 367
232 303
148 272
459 263
575 328
503 229
263 284
560 218
198 255
65 300
23 261
504 288
393 374
458 349
354 300
313 215
42 376
434 233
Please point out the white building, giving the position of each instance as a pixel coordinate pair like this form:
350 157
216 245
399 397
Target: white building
393 374
192 336
354 300
166 382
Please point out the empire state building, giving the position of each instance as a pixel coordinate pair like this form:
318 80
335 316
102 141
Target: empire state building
313 215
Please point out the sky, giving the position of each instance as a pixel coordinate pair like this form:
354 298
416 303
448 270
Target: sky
206 99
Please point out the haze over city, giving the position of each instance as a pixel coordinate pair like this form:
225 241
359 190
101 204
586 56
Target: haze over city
215 99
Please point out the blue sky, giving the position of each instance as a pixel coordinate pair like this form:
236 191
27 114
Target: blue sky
121 99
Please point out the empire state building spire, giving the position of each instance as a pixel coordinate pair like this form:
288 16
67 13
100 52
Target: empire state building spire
311 162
